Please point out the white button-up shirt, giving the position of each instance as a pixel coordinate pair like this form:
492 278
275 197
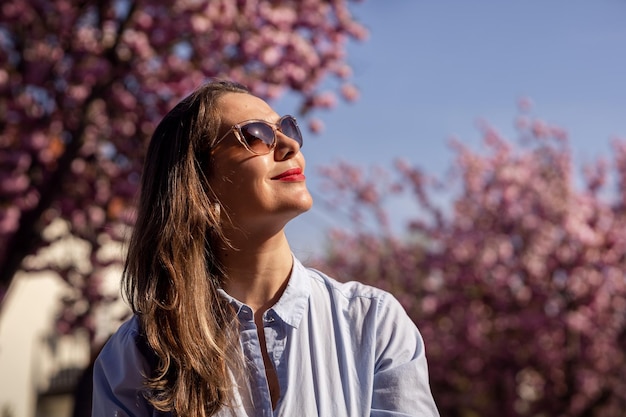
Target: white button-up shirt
339 349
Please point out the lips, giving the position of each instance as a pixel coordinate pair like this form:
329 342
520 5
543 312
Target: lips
293 174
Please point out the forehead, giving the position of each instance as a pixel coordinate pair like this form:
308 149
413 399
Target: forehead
239 107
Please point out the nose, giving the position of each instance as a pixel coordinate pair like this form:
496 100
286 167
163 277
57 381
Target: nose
286 147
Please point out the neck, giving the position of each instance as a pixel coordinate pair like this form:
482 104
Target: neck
257 270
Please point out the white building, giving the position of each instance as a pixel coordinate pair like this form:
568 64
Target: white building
29 368
38 368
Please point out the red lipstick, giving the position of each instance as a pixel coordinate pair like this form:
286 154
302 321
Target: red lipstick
293 174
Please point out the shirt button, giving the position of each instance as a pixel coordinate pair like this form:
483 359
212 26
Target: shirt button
245 313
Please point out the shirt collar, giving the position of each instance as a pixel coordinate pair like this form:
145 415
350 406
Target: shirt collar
292 304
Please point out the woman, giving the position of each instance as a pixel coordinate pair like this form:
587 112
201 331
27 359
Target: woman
226 321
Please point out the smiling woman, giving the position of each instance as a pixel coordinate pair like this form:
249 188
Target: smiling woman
227 321
260 185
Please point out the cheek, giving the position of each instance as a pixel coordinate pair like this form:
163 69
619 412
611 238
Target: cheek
248 175
239 185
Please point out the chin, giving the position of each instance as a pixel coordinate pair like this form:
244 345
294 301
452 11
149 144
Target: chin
296 209
306 202
300 208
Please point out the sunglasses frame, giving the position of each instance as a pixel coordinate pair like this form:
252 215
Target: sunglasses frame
236 128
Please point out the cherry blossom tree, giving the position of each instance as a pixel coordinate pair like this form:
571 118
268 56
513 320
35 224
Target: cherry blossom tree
82 85
518 285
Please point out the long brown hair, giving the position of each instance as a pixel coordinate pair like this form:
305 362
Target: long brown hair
171 276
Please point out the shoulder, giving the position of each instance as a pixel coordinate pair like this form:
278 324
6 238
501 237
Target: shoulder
126 355
128 346
130 329
349 290
370 309
119 373
351 301
128 335
388 310
354 297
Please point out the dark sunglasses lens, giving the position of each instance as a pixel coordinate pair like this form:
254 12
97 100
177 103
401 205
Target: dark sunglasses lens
289 127
258 136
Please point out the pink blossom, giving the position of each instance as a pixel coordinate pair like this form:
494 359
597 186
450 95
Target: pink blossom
519 279
349 92
85 90
316 125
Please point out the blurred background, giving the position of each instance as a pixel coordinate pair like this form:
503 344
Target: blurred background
535 88
430 71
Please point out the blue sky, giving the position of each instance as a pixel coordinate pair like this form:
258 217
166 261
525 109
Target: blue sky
431 69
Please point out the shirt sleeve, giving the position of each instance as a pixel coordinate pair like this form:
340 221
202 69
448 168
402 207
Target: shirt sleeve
401 386
118 376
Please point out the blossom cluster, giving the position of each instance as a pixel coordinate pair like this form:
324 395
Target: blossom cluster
82 85
518 284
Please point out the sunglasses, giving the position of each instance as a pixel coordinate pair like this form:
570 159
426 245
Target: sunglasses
259 137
